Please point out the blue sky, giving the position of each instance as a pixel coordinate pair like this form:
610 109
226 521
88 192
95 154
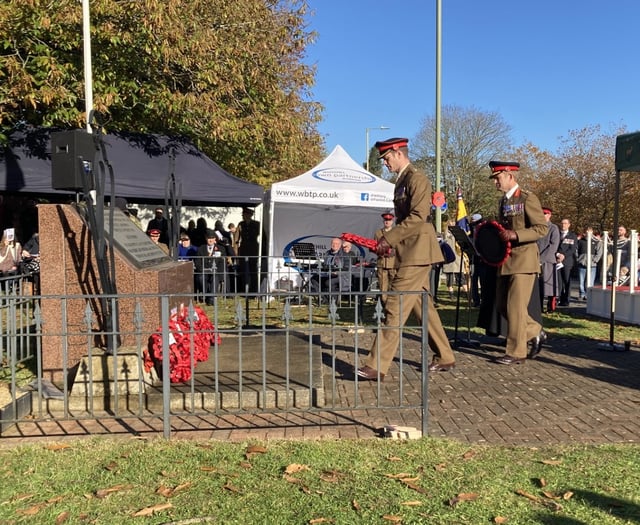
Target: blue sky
547 67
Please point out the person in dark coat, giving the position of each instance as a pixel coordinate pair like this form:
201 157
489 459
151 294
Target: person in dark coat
210 267
548 248
567 255
247 239
159 222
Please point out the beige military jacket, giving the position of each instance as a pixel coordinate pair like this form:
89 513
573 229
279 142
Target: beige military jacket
413 238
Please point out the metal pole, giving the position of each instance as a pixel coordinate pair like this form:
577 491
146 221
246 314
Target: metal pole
88 79
367 147
366 132
615 277
438 105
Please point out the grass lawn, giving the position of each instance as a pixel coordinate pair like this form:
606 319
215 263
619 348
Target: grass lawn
432 481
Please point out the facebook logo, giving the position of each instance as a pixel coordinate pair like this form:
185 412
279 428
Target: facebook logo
364 196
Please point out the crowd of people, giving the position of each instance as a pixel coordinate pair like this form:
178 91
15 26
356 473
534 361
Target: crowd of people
225 260
16 260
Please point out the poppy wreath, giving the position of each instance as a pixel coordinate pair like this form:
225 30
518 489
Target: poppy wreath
197 333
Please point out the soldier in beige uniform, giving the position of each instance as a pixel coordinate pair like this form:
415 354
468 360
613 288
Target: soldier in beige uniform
413 240
521 215
385 265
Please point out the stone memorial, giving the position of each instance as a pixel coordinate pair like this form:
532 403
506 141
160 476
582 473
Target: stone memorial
69 274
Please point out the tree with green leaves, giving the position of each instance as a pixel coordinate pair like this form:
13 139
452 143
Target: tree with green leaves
228 74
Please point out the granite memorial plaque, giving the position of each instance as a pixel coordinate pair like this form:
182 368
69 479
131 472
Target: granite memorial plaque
133 243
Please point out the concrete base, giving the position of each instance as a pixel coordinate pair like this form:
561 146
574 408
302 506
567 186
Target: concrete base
243 374
105 374
627 307
16 411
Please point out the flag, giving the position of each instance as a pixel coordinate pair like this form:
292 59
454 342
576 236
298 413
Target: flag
461 214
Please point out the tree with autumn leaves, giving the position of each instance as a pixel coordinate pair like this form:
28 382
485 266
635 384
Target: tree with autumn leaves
228 74
577 180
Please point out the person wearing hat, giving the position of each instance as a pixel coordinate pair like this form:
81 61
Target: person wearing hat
547 248
385 266
159 222
246 239
154 235
520 213
413 240
210 266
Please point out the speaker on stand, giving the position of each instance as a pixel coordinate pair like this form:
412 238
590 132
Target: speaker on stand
66 171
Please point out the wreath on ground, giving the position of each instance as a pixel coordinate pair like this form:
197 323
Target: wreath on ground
188 334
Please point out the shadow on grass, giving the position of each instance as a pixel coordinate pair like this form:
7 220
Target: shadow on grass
623 509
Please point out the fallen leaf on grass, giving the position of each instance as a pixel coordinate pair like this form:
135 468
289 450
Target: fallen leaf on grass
527 495
321 520
148 511
246 465
62 517
402 475
21 497
542 482
254 450
356 505
34 509
111 466
464 496
295 467
331 476
394 519
411 485
552 462
103 493
31 511
297 481
470 454
57 446
169 492
500 520
440 467
208 469
552 505
231 488
414 503
552 495
394 458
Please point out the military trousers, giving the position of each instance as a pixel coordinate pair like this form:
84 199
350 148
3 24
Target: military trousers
385 276
513 293
398 307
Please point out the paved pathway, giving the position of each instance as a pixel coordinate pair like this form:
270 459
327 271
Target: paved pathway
576 391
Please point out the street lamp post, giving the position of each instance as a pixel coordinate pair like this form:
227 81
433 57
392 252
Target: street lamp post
367 142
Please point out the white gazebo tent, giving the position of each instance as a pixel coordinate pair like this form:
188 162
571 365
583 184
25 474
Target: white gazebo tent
336 196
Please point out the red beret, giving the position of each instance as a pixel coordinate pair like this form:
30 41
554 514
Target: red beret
547 210
154 232
387 216
391 144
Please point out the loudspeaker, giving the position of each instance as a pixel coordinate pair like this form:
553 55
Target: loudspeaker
628 152
66 171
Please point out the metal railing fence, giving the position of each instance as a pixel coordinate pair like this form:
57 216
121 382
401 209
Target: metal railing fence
287 350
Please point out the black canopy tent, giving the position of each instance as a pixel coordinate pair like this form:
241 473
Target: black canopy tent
141 165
